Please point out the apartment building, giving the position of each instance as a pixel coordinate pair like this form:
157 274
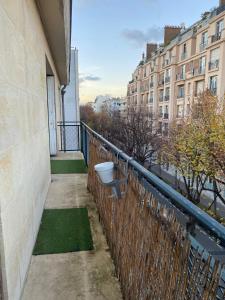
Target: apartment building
170 76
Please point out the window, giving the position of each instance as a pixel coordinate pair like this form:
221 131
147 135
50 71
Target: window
151 99
205 38
199 87
202 64
184 51
214 58
167 94
160 127
166 112
180 91
213 84
160 111
167 75
180 111
219 27
161 95
183 71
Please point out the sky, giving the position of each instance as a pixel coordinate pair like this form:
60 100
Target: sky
111 36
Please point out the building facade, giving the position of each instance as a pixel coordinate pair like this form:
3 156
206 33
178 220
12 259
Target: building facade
170 76
109 103
34 65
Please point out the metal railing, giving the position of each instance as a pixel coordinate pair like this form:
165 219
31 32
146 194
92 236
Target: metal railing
177 200
214 64
206 235
69 136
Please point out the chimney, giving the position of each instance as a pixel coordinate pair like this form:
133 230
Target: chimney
222 2
150 49
170 32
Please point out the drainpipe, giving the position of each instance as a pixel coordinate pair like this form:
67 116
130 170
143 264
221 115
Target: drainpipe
63 91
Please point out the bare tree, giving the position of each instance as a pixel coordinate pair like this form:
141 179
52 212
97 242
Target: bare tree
137 134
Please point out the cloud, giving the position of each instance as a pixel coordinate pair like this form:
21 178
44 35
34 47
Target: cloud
89 77
139 37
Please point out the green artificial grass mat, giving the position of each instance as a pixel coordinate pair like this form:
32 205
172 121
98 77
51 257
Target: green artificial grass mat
64 230
68 166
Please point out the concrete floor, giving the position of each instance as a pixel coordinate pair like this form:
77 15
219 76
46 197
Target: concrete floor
80 275
68 155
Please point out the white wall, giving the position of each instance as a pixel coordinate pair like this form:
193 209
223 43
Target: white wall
71 98
24 138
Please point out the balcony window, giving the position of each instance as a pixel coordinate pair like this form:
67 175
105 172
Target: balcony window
151 99
167 94
167 76
213 84
214 64
202 64
161 96
180 91
166 112
219 29
204 41
199 88
214 59
184 52
160 111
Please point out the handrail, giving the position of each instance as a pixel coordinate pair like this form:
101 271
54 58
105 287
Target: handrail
201 217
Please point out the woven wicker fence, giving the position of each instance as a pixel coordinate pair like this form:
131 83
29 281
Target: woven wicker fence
150 250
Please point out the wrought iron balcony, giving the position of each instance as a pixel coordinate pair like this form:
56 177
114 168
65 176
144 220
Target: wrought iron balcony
203 46
166 116
216 37
214 64
167 79
167 98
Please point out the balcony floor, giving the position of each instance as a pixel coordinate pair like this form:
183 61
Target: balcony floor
78 275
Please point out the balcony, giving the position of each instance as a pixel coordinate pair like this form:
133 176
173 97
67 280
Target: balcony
203 46
160 243
198 72
167 98
216 37
167 79
214 64
166 116
180 76
166 63
180 95
183 55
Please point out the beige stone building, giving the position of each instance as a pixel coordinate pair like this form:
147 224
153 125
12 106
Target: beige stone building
34 64
171 75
